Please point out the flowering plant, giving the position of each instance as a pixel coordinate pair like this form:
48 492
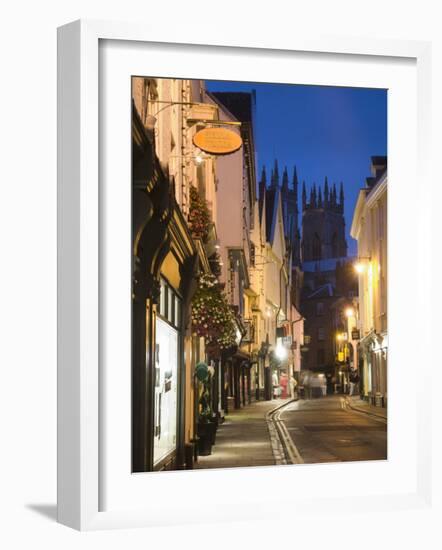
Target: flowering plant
199 215
212 317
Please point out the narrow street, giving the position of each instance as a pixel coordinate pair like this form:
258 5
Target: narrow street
329 429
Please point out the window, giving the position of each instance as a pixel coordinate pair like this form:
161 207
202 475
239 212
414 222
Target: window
316 248
334 246
168 319
201 180
166 369
252 255
321 333
320 308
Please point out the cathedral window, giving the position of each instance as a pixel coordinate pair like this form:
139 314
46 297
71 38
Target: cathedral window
316 249
334 246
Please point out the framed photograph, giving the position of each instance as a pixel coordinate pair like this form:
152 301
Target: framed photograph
232 277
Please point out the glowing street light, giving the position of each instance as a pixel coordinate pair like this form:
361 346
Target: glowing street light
281 352
359 267
349 312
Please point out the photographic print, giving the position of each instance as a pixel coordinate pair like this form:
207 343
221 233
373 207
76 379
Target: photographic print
259 274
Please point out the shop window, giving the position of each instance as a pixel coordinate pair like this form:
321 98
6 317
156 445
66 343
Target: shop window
166 370
162 305
170 306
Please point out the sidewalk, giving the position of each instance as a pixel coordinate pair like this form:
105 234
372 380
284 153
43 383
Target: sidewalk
243 439
355 402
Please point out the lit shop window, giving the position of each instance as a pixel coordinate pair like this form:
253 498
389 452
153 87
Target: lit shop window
166 371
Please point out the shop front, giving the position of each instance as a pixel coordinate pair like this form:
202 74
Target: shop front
163 281
374 349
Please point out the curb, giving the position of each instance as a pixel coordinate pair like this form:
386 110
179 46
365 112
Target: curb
362 411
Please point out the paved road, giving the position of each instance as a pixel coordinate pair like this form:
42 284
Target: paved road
324 430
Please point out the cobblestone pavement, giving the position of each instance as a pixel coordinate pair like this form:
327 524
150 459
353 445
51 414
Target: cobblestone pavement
243 439
328 430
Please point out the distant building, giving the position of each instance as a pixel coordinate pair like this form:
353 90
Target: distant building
323 224
281 274
328 277
369 228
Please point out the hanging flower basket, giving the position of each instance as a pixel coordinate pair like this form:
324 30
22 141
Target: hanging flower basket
212 317
199 215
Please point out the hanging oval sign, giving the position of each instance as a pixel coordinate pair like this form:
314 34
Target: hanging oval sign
217 141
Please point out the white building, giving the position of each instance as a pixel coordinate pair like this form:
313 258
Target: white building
369 228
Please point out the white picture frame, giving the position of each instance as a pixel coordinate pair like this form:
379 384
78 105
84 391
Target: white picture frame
79 273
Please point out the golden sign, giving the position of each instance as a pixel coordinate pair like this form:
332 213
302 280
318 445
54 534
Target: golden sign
217 141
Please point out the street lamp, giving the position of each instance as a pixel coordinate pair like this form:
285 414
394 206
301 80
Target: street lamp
281 352
361 265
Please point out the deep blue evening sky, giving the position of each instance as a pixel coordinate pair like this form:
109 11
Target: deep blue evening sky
324 131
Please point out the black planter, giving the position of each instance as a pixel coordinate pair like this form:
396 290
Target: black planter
205 439
212 427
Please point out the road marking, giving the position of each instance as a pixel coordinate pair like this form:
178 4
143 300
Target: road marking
280 438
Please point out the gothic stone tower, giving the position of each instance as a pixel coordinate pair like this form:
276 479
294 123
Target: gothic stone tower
323 224
324 249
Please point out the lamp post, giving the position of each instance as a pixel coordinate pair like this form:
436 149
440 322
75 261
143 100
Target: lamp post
341 339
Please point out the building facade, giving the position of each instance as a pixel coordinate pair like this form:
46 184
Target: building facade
167 259
369 228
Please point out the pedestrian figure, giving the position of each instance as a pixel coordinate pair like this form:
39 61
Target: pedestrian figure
275 383
283 382
354 379
293 385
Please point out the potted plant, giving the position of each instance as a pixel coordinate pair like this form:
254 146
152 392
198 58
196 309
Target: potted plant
205 428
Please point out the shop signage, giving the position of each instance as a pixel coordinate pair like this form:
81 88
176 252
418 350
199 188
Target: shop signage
355 335
217 141
304 348
287 340
306 339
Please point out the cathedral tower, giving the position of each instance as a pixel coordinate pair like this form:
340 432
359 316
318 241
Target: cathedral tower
323 224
